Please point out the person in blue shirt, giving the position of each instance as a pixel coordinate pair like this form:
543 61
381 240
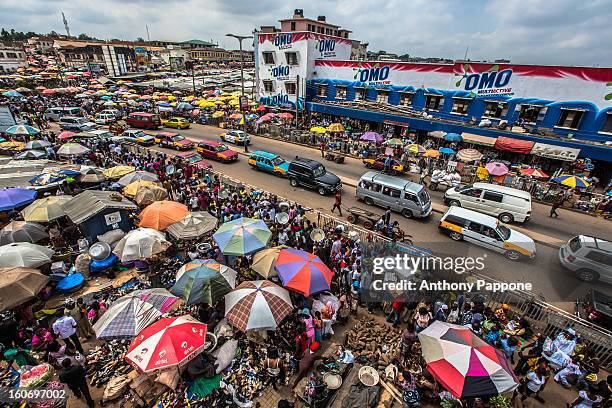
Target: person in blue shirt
388 164
508 346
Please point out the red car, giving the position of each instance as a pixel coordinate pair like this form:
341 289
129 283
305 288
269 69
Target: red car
217 151
195 159
378 163
173 141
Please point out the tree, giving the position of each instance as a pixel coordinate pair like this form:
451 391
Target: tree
140 39
5 34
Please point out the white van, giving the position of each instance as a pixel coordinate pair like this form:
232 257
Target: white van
99 133
486 231
506 203
403 196
55 114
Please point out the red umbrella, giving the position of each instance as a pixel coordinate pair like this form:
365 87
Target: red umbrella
66 134
235 116
48 92
261 108
534 173
166 343
285 115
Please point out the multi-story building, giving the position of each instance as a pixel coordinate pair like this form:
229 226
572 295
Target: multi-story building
43 44
12 58
247 56
285 57
213 54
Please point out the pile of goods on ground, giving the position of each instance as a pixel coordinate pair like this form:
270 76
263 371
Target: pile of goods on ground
373 343
107 361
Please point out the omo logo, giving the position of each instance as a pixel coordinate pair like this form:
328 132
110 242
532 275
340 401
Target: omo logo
283 40
280 71
487 80
279 99
372 74
326 45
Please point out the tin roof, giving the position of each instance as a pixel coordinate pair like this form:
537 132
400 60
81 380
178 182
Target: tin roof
89 203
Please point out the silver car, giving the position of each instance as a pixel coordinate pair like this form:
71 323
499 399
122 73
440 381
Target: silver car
589 258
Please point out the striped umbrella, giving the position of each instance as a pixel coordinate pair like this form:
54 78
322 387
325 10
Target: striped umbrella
469 155
203 281
416 149
31 155
72 149
167 343
571 181
302 271
37 144
537 173
130 314
242 236
257 305
24 130
464 363
194 225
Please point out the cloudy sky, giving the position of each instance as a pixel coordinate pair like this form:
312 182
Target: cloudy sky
525 31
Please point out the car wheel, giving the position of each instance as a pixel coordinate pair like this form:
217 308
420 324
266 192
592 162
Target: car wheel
513 255
322 191
455 236
506 218
454 203
368 201
407 213
587 275
368 166
294 182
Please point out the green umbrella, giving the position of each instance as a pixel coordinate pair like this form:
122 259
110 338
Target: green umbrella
203 281
242 236
394 142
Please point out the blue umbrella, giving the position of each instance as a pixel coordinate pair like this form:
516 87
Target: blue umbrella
453 137
12 94
251 116
69 172
15 197
106 97
184 106
164 104
446 150
22 130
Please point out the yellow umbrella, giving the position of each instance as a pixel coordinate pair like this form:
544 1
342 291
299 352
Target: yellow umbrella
318 129
12 145
131 189
117 172
431 153
218 114
264 261
416 149
335 127
219 103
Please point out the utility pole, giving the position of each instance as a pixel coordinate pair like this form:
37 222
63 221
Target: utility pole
240 38
297 99
466 52
66 24
148 37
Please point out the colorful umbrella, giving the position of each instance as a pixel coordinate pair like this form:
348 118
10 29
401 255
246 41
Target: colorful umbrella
194 225
264 261
46 209
37 144
416 149
141 243
318 129
22 231
203 281
242 236
66 134
285 115
72 149
464 363
469 155
15 197
24 254
24 130
537 173
257 305
166 343
19 285
395 142
12 94
497 169
571 181
431 153
162 214
302 272
335 127
446 150
372 137
453 137
130 314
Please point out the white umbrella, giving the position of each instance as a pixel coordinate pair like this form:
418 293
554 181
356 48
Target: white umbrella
24 254
31 155
72 149
194 225
141 243
137 175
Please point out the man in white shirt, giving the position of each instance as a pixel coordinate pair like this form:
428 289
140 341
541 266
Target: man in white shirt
65 329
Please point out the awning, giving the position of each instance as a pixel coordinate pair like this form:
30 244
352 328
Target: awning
509 144
478 139
567 108
463 97
555 152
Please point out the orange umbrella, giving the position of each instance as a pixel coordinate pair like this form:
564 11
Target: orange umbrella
162 214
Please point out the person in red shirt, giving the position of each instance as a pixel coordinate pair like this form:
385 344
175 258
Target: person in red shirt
337 203
396 310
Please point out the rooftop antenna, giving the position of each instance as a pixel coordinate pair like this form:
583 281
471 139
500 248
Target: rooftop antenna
466 52
66 24
148 37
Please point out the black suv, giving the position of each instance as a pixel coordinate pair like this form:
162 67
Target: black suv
312 174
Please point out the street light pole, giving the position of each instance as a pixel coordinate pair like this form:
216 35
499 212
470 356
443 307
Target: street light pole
240 38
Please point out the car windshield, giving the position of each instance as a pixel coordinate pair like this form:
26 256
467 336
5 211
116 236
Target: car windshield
277 161
318 171
465 188
221 148
177 138
194 158
503 231
423 196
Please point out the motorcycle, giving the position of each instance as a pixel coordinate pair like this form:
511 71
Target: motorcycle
441 177
334 157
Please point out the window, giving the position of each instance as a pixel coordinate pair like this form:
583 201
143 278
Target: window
411 197
268 85
433 102
406 98
474 226
292 58
290 87
11 55
494 109
453 219
530 113
460 106
340 92
268 57
322 90
391 192
1 55
488 195
607 127
293 26
376 187
382 97
599 257
360 94
472 192
570 118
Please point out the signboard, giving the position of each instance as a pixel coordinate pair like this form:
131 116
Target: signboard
555 152
113 218
244 103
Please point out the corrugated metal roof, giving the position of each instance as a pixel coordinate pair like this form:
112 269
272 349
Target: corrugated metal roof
89 203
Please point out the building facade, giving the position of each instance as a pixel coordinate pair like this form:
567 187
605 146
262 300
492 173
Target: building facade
12 58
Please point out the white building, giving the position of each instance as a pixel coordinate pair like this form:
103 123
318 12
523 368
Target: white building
12 58
175 57
285 57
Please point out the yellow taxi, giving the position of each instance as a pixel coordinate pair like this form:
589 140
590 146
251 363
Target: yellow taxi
378 163
177 123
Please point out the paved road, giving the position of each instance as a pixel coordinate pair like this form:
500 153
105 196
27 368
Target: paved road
549 279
